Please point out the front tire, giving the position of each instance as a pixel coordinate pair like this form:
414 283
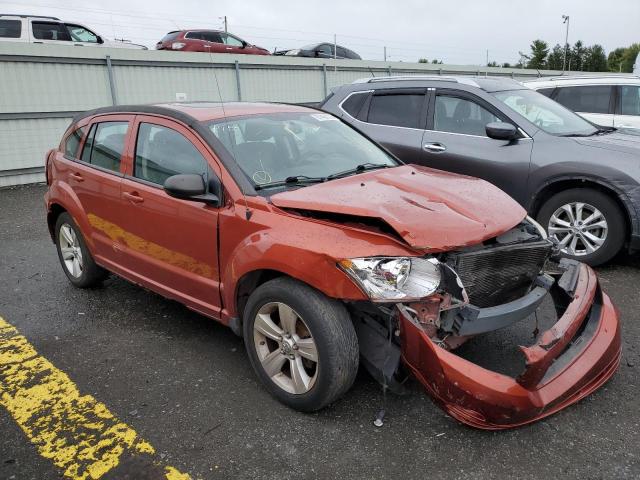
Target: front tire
301 344
588 224
75 258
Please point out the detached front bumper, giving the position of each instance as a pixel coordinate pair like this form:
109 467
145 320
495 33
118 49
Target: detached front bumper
568 362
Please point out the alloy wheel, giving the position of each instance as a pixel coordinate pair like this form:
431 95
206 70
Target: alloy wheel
285 348
579 228
71 251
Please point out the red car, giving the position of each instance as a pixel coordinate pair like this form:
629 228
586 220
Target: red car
213 41
325 252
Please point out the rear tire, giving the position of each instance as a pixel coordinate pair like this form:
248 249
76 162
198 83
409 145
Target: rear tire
588 223
75 258
286 325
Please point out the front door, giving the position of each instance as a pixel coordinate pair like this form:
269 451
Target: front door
170 244
455 140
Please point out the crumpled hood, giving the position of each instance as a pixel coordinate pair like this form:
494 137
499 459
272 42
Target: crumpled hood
430 209
622 140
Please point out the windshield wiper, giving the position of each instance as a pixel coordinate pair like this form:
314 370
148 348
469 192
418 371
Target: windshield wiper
293 180
599 131
358 169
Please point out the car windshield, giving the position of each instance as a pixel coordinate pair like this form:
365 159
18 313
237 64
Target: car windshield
548 115
307 146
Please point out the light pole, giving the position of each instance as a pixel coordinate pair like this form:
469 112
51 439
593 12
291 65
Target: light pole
565 19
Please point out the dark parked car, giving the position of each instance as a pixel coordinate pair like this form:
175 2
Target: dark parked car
214 41
581 181
321 50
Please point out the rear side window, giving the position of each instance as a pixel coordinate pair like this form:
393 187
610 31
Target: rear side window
629 100
10 28
353 105
589 99
546 91
396 110
72 143
162 152
105 145
50 31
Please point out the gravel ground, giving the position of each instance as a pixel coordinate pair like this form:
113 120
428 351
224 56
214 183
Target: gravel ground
184 383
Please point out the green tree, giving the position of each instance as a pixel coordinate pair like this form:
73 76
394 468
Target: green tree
493 64
555 60
615 59
595 59
423 60
506 65
435 61
629 57
539 52
576 57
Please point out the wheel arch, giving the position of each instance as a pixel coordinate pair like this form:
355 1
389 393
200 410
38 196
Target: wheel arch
564 183
55 210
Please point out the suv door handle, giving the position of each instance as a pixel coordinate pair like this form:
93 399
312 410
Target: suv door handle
77 177
133 197
434 147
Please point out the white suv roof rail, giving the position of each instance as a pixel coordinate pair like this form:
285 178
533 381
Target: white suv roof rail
27 16
584 76
442 78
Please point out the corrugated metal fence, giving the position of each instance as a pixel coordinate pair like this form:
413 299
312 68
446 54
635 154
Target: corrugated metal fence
43 86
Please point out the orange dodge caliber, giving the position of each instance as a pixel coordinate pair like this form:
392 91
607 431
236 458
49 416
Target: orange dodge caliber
325 252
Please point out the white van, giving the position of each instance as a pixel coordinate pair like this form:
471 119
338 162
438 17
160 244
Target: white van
51 30
608 100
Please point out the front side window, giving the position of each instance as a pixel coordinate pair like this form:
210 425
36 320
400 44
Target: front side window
212 37
105 145
324 50
161 152
72 143
50 31
546 114
272 148
589 99
232 41
10 28
401 110
630 100
81 34
459 115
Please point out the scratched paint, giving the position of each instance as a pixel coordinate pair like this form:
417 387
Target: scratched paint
153 250
76 432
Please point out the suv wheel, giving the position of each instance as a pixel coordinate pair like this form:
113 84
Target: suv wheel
588 224
301 344
75 258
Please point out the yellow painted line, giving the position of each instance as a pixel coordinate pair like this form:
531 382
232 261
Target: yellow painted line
76 432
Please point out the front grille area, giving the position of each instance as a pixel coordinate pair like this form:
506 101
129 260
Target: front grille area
500 274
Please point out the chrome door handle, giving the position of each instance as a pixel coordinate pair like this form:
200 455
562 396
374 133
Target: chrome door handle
434 147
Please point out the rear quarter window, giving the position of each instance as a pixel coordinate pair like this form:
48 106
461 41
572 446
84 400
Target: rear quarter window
72 143
354 103
10 28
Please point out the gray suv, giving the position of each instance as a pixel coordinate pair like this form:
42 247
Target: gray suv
581 181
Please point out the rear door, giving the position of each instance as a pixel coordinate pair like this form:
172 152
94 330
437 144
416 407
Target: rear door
628 107
593 102
455 140
394 118
170 244
95 174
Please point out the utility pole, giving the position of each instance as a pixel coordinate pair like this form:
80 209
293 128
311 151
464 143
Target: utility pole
335 47
385 54
565 19
487 64
225 24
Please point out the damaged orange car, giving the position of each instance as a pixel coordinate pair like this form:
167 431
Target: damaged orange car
325 253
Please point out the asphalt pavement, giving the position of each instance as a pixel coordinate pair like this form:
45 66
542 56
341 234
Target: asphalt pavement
184 383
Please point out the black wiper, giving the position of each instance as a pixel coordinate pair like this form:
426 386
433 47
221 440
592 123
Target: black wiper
599 131
293 180
360 168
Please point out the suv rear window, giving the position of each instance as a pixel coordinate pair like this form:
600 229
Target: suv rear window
50 31
588 99
10 28
396 110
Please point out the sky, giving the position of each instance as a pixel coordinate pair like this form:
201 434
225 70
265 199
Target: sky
455 31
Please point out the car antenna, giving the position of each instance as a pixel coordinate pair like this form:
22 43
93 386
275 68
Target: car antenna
227 128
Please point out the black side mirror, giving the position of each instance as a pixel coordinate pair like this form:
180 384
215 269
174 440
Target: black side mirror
99 39
244 44
501 131
189 187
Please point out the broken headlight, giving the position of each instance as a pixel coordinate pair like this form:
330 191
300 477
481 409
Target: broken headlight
393 279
